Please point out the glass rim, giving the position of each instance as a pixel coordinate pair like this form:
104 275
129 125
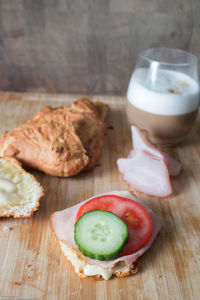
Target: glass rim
143 55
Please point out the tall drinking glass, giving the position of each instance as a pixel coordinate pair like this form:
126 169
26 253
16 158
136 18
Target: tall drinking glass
163 94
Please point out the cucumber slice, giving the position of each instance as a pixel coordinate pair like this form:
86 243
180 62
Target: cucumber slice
100 234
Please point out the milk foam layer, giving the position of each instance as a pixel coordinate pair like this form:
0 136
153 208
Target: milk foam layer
167 93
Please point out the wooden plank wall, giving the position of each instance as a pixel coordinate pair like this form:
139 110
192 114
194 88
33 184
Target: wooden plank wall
87 46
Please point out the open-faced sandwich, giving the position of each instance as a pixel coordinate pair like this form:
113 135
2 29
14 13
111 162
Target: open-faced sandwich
105 235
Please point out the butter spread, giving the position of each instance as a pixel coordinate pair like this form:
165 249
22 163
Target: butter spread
7 191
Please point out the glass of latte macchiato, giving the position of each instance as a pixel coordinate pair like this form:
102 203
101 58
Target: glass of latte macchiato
163 94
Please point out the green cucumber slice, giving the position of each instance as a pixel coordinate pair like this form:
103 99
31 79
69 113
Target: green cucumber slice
100 234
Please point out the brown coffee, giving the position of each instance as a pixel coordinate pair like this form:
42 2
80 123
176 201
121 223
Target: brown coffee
163 130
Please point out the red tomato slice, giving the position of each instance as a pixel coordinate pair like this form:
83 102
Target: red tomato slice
131 212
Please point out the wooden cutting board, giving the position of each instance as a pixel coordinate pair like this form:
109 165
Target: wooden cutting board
31 263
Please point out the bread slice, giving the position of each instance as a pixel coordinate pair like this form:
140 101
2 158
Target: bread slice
84 270
20 192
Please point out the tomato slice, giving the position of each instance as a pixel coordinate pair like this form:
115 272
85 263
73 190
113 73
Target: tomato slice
135 216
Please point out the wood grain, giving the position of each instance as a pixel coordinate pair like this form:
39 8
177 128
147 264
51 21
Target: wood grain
31 263
88 46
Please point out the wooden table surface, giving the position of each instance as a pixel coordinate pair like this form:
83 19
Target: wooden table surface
31 263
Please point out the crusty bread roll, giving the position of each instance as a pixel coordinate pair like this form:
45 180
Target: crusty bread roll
60 141
48 143
20 192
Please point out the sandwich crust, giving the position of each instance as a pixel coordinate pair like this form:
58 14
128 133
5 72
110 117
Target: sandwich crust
80 265
133 269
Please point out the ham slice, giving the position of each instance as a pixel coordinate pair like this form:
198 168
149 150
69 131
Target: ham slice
62 223
174 166
147 169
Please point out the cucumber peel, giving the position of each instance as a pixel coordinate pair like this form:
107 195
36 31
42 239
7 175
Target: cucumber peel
100 234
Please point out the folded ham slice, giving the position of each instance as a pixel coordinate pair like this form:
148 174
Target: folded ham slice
62 223
174 166
146 169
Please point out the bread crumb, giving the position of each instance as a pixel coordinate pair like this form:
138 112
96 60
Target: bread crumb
37 273
16 283
6 229
28 277
158 276
27 266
